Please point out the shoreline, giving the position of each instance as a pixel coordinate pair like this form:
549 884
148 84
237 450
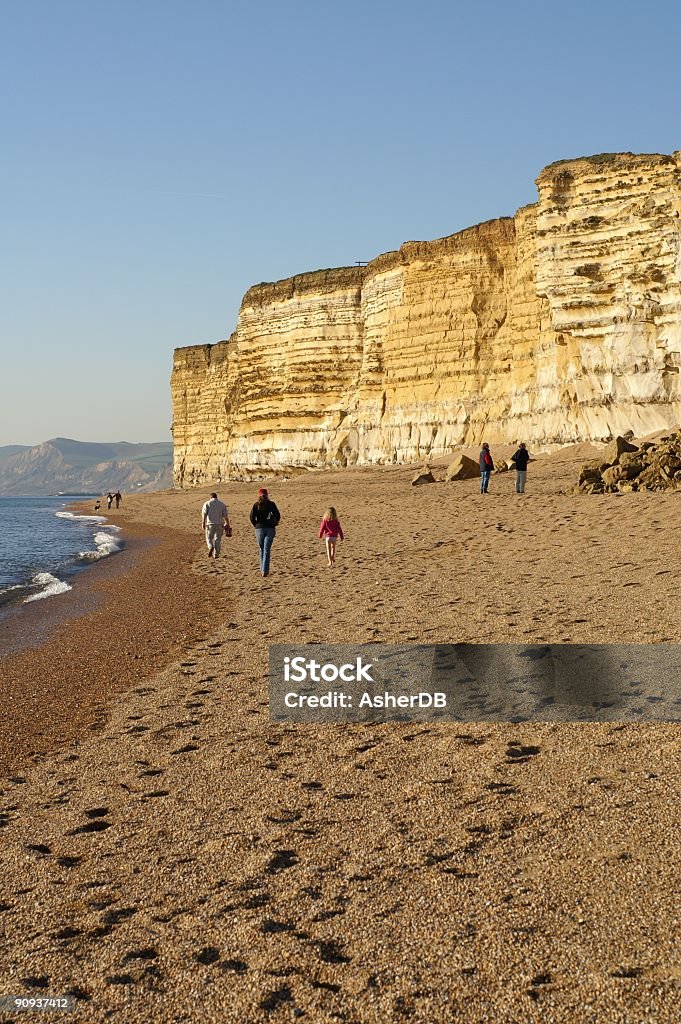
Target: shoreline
67 656
27 624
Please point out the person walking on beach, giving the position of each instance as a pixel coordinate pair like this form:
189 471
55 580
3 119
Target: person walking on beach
119 498
109 500
265 518
486 467
331 530
98 505
214 517
521 458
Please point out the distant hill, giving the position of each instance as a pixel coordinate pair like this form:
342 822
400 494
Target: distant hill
85 467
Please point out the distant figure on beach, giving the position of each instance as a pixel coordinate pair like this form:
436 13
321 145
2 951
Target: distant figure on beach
109 500
214 518
265 518
521 458
119 498
330 530
98 505
486 467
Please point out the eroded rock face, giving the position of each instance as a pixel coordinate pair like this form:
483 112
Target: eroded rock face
558 325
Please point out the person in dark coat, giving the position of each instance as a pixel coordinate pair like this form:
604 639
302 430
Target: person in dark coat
486 467
265 518
521 458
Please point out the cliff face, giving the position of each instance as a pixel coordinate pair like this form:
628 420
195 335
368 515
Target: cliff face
560 324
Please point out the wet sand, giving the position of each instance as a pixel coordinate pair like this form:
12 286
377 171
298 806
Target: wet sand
191 861
126 617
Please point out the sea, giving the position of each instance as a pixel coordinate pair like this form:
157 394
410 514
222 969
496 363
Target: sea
43 546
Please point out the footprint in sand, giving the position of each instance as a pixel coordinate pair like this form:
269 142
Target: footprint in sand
516 752
281 860
67 861
92 826
238 966
208 955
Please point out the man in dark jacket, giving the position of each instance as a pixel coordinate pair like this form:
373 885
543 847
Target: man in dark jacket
521 458
486 467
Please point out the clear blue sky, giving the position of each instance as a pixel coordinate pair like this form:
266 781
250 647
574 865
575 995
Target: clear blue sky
159 157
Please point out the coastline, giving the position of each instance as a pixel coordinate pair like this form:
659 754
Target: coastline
70 654
369 872
30 623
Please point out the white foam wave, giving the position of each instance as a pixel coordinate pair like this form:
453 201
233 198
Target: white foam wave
106 544
50 584
85 519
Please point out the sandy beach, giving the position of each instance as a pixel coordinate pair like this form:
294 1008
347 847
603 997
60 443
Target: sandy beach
169 854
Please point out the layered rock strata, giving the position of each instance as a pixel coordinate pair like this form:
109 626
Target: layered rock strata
560 324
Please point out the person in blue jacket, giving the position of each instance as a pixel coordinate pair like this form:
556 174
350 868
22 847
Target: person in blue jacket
521 458
486 467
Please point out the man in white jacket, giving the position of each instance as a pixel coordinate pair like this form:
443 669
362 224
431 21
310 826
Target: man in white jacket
214 516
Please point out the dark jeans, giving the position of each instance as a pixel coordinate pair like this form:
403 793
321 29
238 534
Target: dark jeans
265 536
484 480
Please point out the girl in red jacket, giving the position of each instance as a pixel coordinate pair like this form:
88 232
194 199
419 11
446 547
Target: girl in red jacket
331 530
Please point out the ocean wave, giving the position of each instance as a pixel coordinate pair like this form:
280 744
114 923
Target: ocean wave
50 586
8 592
105 543
81 518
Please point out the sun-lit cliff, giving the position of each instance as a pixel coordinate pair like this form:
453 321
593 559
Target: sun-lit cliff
560 324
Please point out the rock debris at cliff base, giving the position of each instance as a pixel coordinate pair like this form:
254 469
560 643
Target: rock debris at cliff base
629 466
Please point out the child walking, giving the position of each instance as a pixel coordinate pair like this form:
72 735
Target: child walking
331 530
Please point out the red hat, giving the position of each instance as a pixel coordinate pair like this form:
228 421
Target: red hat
262 492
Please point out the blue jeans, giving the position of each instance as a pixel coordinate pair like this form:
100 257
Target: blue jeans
265 536
484 480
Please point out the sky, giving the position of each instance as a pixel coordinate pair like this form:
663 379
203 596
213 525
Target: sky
160 157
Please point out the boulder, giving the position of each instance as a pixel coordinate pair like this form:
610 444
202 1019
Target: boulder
462 468
633 470
590 472
670 461
612 476
424 476
650 479
631 465
616 448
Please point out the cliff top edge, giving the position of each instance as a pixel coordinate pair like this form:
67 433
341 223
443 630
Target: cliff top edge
612 161
326 280
495 231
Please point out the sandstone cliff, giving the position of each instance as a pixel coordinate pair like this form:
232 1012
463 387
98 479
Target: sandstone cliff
560 324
